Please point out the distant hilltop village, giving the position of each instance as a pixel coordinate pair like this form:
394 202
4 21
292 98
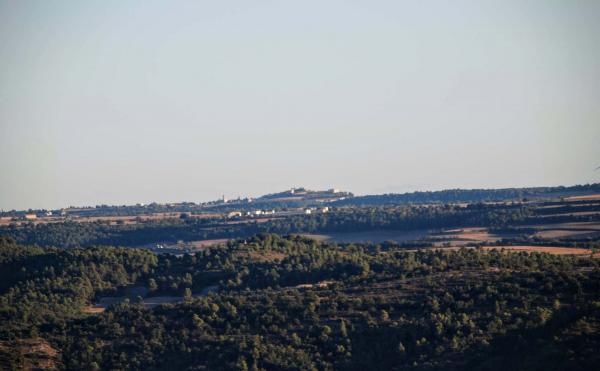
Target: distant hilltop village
291 202
293 195
294 200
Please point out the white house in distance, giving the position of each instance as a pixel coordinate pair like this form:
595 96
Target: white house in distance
310 210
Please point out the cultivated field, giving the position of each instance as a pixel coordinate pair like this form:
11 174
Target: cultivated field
595 197
555 250
113 219
454 237
371 236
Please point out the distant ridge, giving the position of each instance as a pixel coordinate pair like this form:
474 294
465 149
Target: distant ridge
302 197
470 195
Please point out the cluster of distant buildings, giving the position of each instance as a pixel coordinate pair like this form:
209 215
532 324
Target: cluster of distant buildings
256 213
38 214
293 197
312 210
303 191
239 214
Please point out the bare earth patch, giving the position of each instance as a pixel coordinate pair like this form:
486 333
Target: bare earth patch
311 285
370 236
566 233
464 236
93 309
265 256
577 226
37 353
206 243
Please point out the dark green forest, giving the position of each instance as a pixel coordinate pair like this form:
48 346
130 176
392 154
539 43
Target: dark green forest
292 303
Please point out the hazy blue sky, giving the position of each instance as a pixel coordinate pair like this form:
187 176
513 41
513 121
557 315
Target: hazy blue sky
137 101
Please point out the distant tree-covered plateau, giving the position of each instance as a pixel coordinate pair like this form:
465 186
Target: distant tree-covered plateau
344 219
469 195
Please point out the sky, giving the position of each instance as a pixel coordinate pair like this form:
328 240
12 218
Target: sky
120 102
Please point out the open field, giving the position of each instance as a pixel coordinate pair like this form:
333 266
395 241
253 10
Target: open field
5 221
162 247
545 231
567 234
467 236
148 302
594 197
370 236
555 250
112 219
205 243
567 231
456 237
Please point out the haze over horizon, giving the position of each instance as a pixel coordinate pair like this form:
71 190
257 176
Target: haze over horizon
110 102
254 196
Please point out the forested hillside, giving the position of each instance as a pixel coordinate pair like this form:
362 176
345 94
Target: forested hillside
291 303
